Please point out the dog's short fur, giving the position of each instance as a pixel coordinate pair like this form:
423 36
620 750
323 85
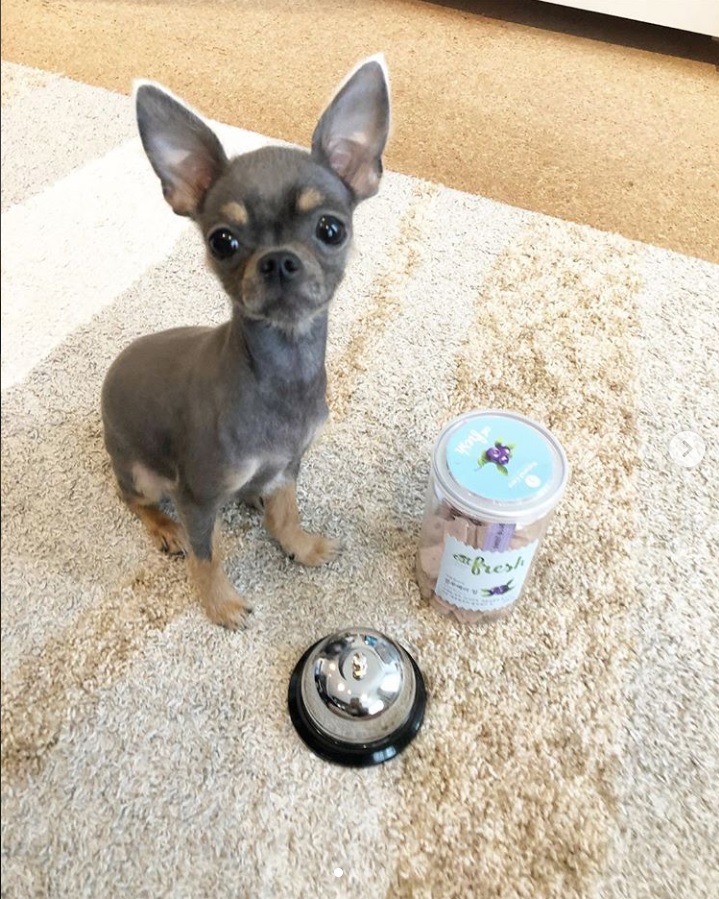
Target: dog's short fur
205 415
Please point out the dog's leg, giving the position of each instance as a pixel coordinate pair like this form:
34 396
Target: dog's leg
141 491
222 603
256 503
282 520
167 534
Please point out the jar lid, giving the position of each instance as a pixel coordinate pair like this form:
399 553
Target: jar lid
357 698
500 466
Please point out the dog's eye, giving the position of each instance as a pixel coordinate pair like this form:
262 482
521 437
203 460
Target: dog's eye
223 243
331 230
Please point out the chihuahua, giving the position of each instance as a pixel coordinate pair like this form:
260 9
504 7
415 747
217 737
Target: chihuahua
201 415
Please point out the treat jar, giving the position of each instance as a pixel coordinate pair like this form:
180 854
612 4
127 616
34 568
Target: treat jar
495 482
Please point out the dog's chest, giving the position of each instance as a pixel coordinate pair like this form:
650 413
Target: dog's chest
279 406
274 459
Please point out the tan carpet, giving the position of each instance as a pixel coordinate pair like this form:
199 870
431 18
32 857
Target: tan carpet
569 751
592 119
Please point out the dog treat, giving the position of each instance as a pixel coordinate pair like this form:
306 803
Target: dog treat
496 480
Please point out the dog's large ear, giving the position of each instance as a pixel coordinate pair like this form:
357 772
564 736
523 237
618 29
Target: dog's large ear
185 154
352 132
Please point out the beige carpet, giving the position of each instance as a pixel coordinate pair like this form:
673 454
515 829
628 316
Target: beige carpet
569 751
593 119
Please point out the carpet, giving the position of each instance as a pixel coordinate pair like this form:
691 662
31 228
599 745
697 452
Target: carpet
569 750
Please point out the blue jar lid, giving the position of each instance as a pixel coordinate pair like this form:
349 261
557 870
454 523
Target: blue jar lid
500 466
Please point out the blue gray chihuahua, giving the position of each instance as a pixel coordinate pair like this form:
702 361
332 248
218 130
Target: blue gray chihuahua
202 416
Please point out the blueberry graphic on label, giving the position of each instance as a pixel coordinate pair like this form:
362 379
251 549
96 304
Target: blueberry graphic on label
498 591
499 455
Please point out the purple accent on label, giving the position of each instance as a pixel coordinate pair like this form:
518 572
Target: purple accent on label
498 538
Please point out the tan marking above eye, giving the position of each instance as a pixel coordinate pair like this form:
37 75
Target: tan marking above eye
309 199
235 212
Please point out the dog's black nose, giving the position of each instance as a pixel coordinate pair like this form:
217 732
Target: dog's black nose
281 264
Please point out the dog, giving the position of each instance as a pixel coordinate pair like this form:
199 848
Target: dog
203 416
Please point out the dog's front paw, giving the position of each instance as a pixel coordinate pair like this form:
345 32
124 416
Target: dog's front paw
314 549
167 534
230 612
221 602
172 539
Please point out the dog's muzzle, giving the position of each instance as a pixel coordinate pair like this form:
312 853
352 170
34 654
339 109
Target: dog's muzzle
280 267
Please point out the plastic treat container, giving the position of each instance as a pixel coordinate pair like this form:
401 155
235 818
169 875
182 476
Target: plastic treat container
495 482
